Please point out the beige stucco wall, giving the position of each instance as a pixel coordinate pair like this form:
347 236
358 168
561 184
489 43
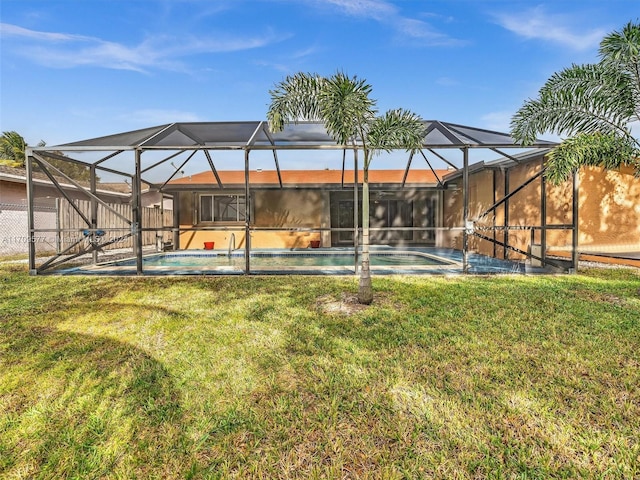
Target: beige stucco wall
14 227
285 209
480 198
609 213
13 193
288 209
609 210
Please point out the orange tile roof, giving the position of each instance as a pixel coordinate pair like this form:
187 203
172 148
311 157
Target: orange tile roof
310 177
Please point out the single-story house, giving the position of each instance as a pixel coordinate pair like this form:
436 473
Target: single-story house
308 204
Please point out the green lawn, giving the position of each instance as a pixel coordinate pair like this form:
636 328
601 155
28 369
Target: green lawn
274 377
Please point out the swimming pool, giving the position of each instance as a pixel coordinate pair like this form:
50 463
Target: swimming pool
287 261
335 260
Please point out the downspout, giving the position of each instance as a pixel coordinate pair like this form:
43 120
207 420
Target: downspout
494 200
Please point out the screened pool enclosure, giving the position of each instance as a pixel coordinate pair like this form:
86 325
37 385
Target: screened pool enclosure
471 199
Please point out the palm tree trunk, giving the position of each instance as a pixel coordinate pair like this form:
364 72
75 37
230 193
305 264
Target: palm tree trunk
365 290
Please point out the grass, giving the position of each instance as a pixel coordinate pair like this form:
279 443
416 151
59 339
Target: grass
274 377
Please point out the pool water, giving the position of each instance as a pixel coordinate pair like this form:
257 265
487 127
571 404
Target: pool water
287 259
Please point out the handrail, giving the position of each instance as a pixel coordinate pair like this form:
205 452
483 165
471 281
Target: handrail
232 239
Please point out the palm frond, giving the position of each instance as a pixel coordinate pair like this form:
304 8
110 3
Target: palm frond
346 107
397 129
622 47
12 147
590 149
621 50
294 99
582 98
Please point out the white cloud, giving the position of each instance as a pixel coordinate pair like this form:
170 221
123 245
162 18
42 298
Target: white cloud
538 24
8 30
498 121
386 13
375 9
418 30
306 52
278 67
164 52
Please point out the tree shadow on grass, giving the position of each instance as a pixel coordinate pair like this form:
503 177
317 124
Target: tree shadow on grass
79 406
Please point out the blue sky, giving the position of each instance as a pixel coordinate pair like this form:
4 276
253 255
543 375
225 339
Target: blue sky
77 69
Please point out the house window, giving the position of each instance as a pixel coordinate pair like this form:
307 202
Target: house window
222 208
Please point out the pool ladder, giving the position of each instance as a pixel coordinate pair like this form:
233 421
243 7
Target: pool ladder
232 241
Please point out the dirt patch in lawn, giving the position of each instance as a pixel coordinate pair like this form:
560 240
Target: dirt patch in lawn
347 304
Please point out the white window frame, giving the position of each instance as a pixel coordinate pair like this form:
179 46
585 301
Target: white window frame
239 203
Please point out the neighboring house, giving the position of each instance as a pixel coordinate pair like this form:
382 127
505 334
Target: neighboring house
305 207
48 202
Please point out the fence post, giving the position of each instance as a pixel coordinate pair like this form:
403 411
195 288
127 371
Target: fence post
31 219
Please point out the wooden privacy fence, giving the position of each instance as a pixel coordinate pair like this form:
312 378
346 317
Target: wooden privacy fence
71 226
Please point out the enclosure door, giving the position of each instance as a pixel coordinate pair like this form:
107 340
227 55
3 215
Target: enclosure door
345 220
387 214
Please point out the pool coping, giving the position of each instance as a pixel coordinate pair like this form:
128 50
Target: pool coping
109 267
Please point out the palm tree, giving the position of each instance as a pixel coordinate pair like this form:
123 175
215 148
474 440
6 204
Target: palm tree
12 153
344 106
13 147
594 105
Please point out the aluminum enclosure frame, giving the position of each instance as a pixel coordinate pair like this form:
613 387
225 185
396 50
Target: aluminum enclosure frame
207 137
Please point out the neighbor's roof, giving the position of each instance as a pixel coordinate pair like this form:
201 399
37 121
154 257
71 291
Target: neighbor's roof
19 175
256 134
308 178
